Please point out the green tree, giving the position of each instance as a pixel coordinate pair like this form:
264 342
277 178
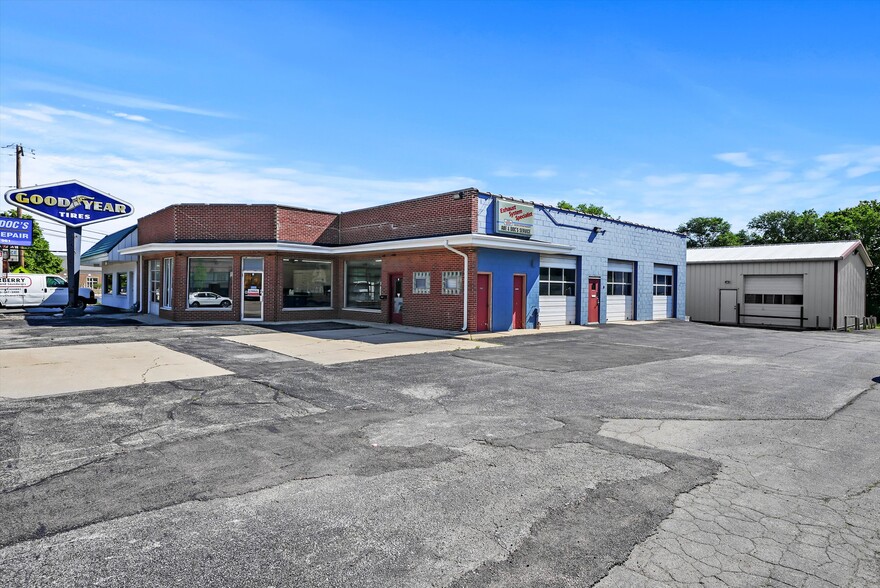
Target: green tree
37 258
859 222
709 231
785 226
592 209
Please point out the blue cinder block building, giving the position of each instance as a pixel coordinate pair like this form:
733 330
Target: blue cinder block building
611 271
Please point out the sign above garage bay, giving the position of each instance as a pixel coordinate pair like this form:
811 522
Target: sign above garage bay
69 203
514 218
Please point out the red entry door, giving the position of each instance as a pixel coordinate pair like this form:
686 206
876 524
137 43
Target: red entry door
396 298
593 301
484 294
519 291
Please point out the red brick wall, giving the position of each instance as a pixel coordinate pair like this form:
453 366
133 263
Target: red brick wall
433 311
307 226
225 222
441 214
157 227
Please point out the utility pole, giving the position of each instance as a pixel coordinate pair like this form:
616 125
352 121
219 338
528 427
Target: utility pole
19 154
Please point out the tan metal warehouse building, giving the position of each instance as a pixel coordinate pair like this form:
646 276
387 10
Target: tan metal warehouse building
809 285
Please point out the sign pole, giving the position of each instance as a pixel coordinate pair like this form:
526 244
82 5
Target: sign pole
74 246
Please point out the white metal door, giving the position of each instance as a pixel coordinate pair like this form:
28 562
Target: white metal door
663 292
771 299
727 307
557 283
619 291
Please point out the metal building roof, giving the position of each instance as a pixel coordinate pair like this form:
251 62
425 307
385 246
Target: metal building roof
107 243
829 250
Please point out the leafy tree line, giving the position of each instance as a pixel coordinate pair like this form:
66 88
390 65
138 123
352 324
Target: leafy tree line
787 226
37 258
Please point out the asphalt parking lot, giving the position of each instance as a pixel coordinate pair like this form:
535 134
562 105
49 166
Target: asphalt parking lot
629 455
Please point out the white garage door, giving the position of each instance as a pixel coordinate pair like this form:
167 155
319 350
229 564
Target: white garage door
663 288
770 300
557 285
619 296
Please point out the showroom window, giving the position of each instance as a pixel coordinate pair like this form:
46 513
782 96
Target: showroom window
363 284
557 281
209 282
306 283
620 283
167 281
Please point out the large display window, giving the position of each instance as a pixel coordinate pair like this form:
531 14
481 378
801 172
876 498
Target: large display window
209 282
363 284
307 283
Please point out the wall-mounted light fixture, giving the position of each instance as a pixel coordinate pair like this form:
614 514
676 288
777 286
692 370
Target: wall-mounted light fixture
599 230
458 196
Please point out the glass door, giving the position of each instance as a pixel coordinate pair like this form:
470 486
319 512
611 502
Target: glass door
252 289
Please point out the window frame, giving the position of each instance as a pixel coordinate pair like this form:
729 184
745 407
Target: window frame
188 293
623 280
446 289
555 281
426 276
345 286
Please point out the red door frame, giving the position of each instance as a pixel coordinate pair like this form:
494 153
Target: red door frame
519 301
594 291
395 317
484 302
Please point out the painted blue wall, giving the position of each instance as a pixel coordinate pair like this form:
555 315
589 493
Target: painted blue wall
503 264
621 240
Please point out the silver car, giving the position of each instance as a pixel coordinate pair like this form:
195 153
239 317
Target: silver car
197 299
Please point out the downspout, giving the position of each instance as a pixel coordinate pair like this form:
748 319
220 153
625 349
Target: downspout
464 326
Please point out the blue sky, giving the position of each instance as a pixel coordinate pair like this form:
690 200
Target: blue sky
659 111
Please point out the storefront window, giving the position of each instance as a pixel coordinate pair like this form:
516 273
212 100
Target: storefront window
108 283
307 283
122 284
209 282
363 281
167 281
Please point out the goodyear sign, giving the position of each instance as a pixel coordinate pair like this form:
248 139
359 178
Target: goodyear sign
69 203
16 231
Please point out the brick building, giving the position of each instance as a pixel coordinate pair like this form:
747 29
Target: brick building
462 260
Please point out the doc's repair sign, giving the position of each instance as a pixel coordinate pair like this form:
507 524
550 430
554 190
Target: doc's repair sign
16 231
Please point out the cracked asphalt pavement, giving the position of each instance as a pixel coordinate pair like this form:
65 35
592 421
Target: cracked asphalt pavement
666 454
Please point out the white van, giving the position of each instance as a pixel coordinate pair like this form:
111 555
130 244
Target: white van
24 290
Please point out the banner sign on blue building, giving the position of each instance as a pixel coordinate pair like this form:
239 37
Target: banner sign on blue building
16 231
69 203
514 218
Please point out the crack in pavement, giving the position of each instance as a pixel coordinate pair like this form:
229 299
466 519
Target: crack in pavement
760 521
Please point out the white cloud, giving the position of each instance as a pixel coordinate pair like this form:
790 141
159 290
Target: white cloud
104 96
739 159
854 163
131 117
154 168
